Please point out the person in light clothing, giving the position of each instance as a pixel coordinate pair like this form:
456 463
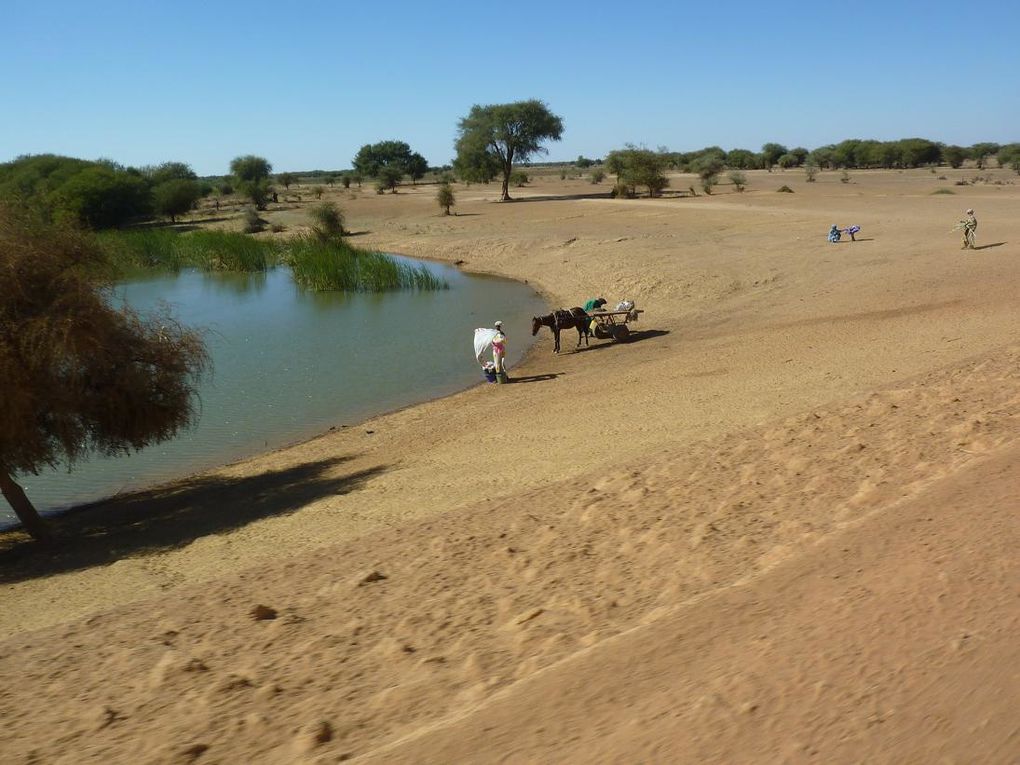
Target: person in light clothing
969 226
499 348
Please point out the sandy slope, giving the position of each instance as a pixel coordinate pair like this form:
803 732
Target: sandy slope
790 390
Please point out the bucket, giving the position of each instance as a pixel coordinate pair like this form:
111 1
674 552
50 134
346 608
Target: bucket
501 377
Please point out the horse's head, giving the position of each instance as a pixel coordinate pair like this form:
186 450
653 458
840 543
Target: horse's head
536 324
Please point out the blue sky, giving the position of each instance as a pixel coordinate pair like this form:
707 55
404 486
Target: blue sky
306 84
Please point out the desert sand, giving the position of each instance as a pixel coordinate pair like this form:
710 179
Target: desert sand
779 525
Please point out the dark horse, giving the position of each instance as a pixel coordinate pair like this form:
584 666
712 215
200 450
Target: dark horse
563 319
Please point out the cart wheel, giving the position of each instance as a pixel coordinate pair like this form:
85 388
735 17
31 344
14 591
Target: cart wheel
602 333
621 333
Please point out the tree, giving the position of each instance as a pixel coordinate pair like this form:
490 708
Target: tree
170 171
634 166
980 151
708 166
76 374
417 166
583 162
810 170
175 197
742 159
770 152
1009 156
331 180
800 153
287 179
445 197
252 174
388 176
954 155
508 133
474 164
372 158
786 161
738 179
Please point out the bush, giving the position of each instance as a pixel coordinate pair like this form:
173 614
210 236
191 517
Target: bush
328 221
597 176
623 191
845 177
943 191
252 222
785 189
445 197
345 179
519 178
810 170
318 191
708 183
563 175
738 179
175 197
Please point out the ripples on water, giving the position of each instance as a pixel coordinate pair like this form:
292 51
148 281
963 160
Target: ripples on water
288 364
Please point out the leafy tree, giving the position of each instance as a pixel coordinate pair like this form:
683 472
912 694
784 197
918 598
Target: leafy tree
979 152
372 159
508 133
78 375
175 197
389 176
445 197
583 162
417 166
786 161
345 179
473 164
251 168
742 159
915 152
634 166
823 156
738 179
954 155
171 171
1009 156
800 153
519 178
771 152
252 174
331 180
226 188
287 179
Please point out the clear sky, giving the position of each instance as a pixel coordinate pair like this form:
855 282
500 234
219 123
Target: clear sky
305 84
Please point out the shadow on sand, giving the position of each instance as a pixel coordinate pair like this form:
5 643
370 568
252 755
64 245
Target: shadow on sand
635 336
172 516
989 246
560 197
536 378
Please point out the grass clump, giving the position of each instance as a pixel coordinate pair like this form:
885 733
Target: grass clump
332 266
943 191
165 250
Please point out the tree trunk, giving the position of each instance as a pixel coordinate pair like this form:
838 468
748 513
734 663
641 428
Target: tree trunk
23 508
506 188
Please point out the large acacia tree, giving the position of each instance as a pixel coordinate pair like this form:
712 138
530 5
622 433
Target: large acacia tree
252 175
506 133
76 374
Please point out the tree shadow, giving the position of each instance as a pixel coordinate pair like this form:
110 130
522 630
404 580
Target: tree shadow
560 197
635 336
172 516
536 378
989 246
356 233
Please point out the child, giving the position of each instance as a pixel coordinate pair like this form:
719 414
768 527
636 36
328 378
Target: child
834 233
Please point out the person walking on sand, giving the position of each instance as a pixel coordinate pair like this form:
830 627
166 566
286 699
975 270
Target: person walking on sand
969 226
499 349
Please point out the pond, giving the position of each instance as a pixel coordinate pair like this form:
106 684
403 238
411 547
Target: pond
288 364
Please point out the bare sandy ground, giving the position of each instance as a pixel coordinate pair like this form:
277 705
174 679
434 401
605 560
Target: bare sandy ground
778 525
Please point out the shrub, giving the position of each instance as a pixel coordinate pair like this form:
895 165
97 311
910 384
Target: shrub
328 221
345 179
519 178
175 197
810 170
226 189
597 176
445 197
318 191
708 183
845 177
252 222
563 175
623 191
943 191
962 183
738 179
785 189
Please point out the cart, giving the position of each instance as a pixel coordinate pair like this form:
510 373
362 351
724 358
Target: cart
608 325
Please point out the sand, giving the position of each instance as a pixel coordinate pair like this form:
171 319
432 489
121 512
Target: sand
778 525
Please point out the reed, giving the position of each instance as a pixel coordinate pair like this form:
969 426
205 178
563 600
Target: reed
338 266
317 264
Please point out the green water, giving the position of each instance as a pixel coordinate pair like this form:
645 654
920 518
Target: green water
289 363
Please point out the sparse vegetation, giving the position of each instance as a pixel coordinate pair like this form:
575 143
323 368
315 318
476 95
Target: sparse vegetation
784 189
635 167
943 191
738 179
519 178
327 221
337 266
597 175
445 197
811 170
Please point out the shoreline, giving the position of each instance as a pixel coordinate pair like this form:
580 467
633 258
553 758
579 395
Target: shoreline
13 528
